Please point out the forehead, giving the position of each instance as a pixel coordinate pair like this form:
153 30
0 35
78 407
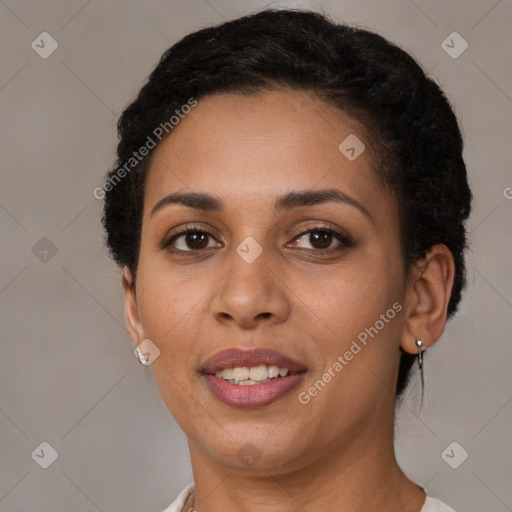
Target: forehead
260 146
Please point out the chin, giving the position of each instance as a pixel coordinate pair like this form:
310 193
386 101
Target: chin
255 453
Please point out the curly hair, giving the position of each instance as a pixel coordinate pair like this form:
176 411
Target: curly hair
417 144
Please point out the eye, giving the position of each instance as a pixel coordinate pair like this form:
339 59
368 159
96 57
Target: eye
194 240
190 240
321 238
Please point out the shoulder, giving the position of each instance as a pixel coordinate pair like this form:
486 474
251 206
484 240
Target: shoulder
179 502
435 505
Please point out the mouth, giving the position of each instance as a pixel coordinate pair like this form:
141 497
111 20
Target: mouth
251 378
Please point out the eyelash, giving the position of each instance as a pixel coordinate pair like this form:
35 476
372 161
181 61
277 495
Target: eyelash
344 239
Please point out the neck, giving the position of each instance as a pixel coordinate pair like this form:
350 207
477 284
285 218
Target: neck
361 476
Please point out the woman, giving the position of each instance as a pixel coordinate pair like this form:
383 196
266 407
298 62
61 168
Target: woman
288 206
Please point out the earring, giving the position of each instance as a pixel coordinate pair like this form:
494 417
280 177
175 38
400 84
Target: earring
419 344
142 358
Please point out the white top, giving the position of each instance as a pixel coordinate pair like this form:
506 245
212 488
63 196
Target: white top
430 505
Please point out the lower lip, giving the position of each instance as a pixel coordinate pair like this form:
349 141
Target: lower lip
255 395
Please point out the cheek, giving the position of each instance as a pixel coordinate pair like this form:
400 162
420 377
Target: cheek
167 296
354 296
362 312
169 310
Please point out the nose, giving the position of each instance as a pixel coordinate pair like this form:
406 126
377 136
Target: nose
251 294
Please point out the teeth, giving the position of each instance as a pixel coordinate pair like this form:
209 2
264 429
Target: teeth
244 382
227 373
273 371
241 373
254 375
258 373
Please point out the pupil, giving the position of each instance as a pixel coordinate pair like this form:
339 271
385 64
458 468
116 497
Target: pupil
196 239
321 237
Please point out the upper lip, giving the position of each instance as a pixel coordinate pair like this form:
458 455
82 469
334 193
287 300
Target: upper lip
234 357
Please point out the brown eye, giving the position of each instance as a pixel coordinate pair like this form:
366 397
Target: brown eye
320 239
190 240
196 240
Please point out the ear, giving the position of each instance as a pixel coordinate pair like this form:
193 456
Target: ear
131 310
427 297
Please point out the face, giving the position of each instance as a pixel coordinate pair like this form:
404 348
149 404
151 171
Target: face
269 273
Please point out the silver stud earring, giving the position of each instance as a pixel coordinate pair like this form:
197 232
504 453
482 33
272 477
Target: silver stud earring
419 344
142 358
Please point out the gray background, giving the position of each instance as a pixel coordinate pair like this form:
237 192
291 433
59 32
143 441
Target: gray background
67 372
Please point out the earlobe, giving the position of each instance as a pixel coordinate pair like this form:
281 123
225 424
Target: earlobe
131 310
428 295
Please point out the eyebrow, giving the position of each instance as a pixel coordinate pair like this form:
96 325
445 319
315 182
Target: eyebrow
288 201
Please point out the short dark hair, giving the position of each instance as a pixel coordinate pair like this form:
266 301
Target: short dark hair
404 113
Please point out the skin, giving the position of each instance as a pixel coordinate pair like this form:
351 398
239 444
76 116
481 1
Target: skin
296 298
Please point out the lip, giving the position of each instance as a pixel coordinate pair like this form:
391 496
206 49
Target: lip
255 395
233 357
